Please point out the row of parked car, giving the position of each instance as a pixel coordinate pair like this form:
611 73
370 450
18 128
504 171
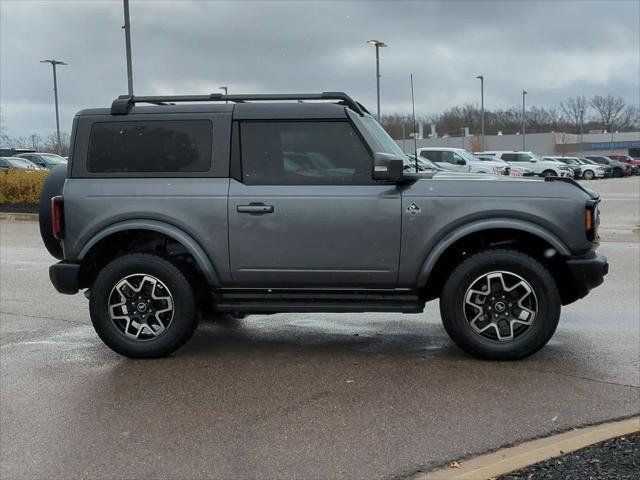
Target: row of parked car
31 161
609 166
523 164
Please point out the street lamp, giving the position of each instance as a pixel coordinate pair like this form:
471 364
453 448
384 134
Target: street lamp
481 77
581 112
610 127
226 91
378 44
462 135
524 133
55 95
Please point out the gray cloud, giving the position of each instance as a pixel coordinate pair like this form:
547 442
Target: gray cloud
553 49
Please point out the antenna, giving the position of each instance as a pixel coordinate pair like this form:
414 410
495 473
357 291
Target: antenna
415 140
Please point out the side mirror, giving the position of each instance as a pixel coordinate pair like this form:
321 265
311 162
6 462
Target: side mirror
387 167
532 160
460 161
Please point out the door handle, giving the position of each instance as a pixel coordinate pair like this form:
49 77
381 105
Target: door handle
255 208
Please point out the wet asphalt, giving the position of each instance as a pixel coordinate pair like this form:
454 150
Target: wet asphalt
308 396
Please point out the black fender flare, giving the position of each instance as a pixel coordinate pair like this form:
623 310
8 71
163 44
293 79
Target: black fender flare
478 226
177 234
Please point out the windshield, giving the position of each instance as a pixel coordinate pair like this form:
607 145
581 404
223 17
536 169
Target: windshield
466 155
540 159
382 137
20 163
571 161
51 159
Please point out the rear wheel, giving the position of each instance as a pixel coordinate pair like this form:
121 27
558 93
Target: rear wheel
588 175
500 305
142 306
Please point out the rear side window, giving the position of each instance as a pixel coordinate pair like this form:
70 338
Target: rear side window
303 153
157 146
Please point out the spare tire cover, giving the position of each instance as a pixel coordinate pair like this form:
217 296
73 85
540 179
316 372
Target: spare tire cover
53 185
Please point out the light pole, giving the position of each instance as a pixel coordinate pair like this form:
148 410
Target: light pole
378 44
226 91
127 39
524 133
481 77
581 126
610 126
462 136
55 95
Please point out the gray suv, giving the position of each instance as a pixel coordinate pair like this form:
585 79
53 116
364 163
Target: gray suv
194 206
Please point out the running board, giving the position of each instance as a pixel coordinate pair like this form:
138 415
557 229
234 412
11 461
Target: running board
274 301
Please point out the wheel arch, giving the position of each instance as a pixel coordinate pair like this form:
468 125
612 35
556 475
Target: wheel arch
490 229
178 235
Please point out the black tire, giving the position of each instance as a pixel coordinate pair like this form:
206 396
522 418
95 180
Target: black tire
617 172
549 173
52 187
178 329
533 338
588 175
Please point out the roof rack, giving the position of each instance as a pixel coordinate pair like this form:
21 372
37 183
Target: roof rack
123 103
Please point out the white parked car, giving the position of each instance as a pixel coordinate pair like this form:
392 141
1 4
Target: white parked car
540 166
459 160
511 170
585 170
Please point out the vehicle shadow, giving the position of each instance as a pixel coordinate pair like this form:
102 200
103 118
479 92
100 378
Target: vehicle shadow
393 334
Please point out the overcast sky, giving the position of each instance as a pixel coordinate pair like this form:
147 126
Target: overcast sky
553 49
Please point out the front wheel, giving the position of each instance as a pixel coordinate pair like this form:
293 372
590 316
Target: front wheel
500 305
142 306
549 173
617 172
588 175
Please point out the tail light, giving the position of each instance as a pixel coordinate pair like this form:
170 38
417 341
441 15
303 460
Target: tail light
591 220
57 217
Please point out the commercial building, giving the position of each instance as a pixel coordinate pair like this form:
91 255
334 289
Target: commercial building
552 143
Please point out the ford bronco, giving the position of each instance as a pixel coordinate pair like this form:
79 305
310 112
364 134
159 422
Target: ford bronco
252 204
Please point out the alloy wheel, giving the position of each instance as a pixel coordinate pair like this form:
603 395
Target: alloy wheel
500 306
141 307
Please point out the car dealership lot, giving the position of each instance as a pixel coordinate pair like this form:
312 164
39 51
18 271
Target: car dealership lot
301 395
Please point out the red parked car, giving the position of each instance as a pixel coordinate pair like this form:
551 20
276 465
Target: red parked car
634 162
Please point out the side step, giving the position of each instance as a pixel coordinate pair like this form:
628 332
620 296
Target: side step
275 301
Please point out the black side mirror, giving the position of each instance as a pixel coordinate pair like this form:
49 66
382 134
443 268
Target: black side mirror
387 167
460 161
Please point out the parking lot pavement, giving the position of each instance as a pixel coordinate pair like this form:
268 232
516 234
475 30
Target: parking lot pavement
300 395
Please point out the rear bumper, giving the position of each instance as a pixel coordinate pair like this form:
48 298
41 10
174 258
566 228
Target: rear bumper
64 276
586 273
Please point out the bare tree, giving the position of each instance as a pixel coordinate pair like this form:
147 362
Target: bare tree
575 109
609 108
629 119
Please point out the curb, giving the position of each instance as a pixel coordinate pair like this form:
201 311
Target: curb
510 459
19 217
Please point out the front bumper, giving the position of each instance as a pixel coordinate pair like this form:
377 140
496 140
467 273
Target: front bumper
65 277
585 273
